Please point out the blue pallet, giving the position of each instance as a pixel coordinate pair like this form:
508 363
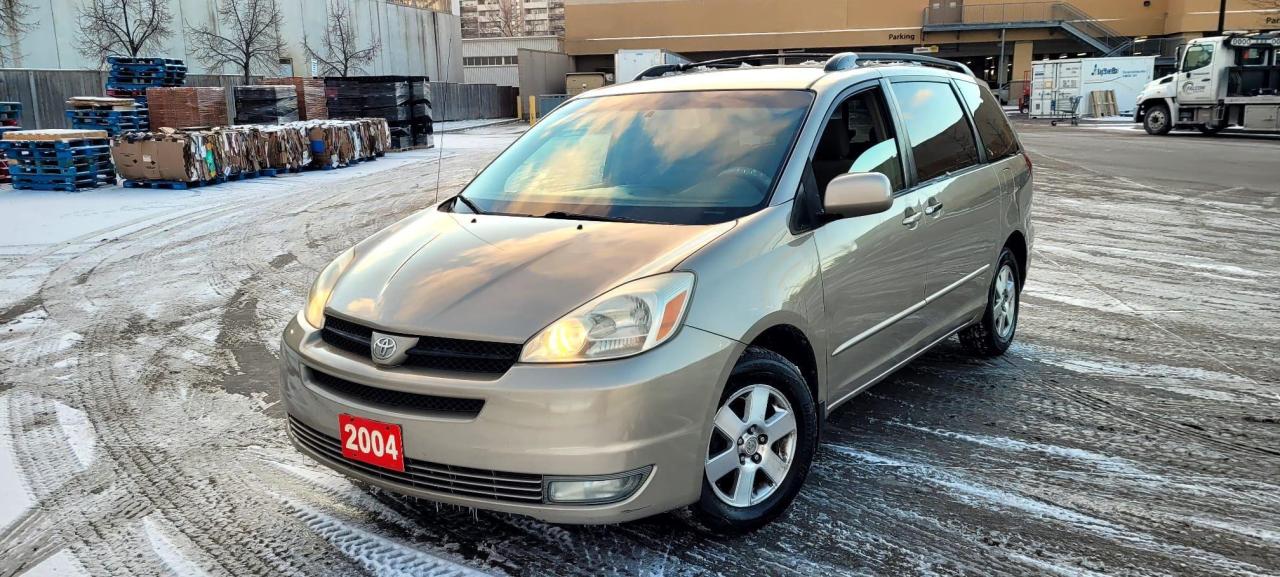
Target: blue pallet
58 182
44 154
65 144
168 184
141 85
279 171
91 169
106 114
135 60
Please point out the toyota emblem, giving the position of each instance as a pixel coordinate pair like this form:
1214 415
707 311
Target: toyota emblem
384 348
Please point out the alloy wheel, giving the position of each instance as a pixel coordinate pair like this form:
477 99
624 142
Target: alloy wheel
752 445
1005 304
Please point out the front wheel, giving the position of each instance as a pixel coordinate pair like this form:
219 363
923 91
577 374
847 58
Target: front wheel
992 335
762 442
1157 120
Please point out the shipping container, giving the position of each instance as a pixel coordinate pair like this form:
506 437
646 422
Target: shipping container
1055 82
630 63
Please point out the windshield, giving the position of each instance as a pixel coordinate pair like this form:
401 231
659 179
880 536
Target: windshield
677 158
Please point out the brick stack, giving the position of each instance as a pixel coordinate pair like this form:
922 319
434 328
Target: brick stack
187 107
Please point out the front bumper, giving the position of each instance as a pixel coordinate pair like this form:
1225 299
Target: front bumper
538 421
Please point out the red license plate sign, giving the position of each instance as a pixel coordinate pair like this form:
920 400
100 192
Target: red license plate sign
372 442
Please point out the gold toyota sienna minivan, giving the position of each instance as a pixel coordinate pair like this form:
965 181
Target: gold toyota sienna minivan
653 298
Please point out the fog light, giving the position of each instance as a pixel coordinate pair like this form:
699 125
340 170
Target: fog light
595 490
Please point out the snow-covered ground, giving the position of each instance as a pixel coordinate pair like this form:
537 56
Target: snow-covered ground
1133 429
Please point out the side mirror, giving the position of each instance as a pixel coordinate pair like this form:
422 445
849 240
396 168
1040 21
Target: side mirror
857 194
1178 57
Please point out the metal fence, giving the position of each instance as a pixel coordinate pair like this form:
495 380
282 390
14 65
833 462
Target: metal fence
44 94
453 101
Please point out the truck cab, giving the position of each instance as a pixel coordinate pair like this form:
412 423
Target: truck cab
1221 82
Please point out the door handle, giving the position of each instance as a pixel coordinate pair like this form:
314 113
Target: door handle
932 206
912 218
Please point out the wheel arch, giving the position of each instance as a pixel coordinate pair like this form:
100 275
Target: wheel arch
1017 244
794 345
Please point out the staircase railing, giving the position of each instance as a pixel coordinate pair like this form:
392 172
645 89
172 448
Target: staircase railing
1051 13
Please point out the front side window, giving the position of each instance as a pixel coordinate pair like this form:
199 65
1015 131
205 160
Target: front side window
993 126
859 137
941 140
1198 56
677 158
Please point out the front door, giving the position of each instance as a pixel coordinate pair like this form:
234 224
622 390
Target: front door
872 266
1195 78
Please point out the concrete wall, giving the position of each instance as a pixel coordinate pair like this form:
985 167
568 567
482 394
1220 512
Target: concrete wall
414 41
503 75
543 72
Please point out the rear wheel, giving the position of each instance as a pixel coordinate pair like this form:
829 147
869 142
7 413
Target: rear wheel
762 442
994 333
1157 120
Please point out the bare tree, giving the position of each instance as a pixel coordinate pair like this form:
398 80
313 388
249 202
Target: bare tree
504 19
245 36
122 27
13 20
342 54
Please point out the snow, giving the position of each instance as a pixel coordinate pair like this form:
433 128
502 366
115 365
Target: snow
17 497
162 545
60 564
79 432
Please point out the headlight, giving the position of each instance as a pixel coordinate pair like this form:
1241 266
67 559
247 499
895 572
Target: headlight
318 298
627 320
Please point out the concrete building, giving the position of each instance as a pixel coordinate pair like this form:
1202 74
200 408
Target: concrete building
511 18
419 37
980 33
497 61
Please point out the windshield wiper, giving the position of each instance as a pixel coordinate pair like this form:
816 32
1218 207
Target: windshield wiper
471 205
560 214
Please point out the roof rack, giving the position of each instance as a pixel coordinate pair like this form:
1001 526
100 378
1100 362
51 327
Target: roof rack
730 62
834 62
850 60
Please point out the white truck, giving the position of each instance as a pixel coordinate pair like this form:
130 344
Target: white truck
627 64
1221 82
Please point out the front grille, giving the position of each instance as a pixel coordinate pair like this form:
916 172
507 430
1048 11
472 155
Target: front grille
433 353
423 475
398 400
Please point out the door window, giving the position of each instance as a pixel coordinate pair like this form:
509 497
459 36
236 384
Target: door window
1198 56
940 136
859 137
993 125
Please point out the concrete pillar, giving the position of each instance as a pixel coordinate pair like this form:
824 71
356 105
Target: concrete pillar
1022 56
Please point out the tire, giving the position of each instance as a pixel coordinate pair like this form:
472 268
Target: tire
1156 120
992 336
758 372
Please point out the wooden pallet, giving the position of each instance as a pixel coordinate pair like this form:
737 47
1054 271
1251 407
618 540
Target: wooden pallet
1103 103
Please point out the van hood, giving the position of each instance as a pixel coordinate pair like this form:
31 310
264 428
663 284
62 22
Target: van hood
499 278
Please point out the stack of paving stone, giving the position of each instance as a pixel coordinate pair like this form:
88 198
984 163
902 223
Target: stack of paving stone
58 159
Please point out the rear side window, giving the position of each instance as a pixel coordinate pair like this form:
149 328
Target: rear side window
941 140
993 126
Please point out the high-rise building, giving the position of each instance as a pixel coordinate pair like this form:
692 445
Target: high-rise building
497 18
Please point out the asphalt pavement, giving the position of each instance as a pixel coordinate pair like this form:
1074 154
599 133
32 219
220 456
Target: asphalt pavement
1134 428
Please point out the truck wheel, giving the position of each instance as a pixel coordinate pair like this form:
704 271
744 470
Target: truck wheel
1156 120
1210 130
